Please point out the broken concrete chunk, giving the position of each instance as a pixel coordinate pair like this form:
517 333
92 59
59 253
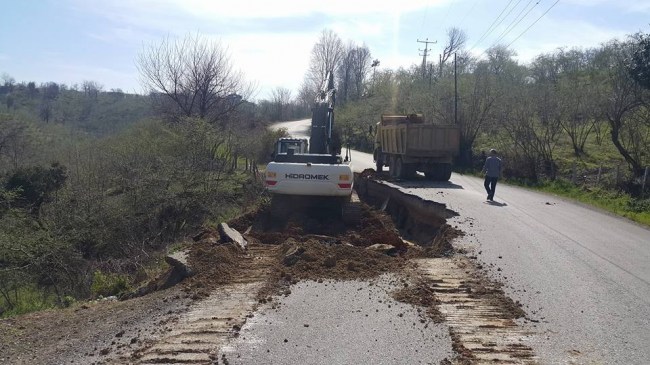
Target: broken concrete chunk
179 270
231 235
179 261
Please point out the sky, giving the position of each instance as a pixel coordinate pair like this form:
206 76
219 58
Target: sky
70 41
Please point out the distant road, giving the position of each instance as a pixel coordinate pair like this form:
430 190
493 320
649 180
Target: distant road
300 129
583 275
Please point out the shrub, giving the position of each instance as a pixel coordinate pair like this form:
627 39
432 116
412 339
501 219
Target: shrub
108 284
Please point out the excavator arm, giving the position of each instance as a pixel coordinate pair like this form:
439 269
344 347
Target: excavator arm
323 140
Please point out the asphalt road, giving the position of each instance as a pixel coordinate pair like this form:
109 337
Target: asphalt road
582 275
351 322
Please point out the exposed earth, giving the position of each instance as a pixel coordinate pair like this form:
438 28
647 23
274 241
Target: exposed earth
190 322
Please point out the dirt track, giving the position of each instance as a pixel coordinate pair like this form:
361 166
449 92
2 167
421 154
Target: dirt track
190 322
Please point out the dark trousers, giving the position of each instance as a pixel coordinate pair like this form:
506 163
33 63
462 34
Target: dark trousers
490 186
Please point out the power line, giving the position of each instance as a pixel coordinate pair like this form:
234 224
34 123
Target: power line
535 22
462 21
505 16
491 25
513 24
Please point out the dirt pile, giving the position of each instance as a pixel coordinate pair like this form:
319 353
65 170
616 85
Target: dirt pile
375 227
307 247
317 260
214 263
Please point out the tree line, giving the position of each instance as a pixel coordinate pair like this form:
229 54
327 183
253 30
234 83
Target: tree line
598 94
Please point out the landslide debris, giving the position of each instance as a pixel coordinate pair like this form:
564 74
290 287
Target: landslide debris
315 246
320 246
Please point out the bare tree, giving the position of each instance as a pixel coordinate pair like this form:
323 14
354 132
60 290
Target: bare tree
280 99
346 73
91 88
306 95
456 39
325 56
196 77
578 95
362 64
500 58
476 109
352 72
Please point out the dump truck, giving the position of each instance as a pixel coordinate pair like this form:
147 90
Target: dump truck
406 144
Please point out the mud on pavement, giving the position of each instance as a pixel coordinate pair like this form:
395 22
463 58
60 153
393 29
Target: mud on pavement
399 233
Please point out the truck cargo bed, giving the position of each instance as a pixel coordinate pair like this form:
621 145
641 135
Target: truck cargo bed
419 140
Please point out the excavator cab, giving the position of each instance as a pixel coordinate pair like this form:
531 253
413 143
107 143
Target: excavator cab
291 146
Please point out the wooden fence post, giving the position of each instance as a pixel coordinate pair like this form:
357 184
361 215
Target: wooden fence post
600 170
645 178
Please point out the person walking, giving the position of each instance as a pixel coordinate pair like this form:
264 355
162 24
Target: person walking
492 171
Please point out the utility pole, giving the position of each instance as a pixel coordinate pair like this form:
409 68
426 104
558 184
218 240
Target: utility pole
455 91
425 54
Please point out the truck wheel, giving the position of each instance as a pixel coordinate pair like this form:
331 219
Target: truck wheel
398 166
435 173
431 172
445 172
410 170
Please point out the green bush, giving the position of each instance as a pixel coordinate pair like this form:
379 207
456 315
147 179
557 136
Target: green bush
108 284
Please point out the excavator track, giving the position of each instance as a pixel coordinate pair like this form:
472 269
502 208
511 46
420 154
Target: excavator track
195 337
482 331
